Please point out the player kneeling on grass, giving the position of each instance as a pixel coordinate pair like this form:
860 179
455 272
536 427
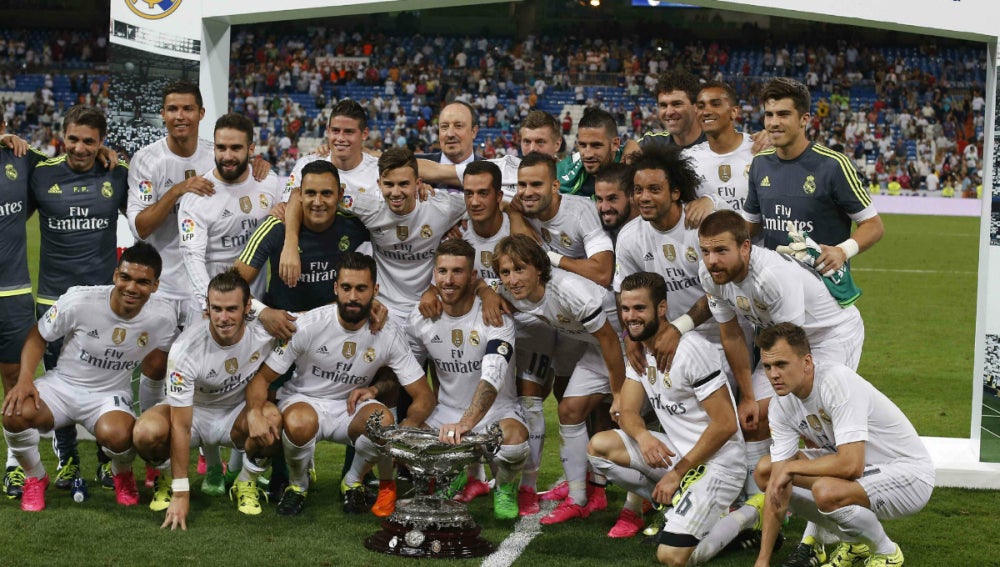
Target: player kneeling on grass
472 366
697 464
869 464
108 331
332 394
208 368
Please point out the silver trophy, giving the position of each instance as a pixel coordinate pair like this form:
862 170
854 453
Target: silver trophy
428 525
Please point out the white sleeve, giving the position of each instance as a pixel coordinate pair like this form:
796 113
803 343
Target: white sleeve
181 376
784 296
847 406
626 263
414 335
401 360
284 353
141 192
58 319
784 438
192 223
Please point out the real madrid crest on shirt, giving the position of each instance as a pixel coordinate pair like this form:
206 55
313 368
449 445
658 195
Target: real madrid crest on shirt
245 205
690 254
426 232
370 355
810 185
725 172
344 243
265 201
824 416
143 339
10 171
743 303
760 305
666 380
456 337
565 240
106 190
474 338
349 349
546 236
669 252
232 365
402 232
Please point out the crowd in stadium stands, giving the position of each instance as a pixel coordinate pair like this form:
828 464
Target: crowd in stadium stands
912 118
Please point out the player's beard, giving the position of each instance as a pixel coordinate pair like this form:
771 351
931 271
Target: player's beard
649 331
353 318
241 168
619 219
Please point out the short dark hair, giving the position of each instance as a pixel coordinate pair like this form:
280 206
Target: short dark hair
675 166
230 280
679 81
395 158
599 118
793 334
724 87
541 119
783 87
724 221
319 167
358 261
473 114
236 121
650 281
620 175
523 250
144 254
184 87
89 116
536 158
482 166
350 109
456 247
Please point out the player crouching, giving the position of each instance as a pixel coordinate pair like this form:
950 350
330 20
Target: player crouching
332 394
472 366
108 331
698 464
208 369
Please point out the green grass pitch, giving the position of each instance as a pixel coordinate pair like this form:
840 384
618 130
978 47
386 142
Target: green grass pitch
919 309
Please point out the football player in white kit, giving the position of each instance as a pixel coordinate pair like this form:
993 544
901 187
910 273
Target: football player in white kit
573 306
333 391
723 159
158 176
108 331
697 463
209 366
472 367
763 288
215 228
869 464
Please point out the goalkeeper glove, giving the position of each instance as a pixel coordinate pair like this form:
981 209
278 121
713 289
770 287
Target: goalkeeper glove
839 283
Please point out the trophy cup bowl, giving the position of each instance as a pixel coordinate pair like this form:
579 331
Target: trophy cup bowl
428 525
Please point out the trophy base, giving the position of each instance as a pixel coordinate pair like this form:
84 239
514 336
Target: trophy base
428 527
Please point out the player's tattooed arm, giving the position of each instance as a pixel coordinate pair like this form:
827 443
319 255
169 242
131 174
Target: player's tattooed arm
482 401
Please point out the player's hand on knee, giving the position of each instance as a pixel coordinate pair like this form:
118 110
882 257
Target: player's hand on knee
663 492
655 452
18 396
357 396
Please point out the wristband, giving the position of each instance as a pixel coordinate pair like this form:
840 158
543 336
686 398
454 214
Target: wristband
554 257
683 324
180 485
850 247
256 307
